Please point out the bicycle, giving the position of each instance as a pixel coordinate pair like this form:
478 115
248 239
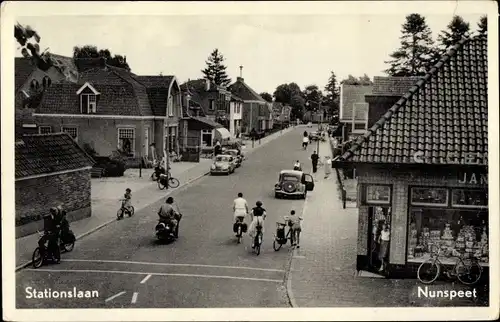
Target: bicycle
258 239
239 227
121 212
280 238
430 270
167 180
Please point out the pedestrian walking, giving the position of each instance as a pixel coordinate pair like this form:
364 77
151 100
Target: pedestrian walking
314 160
328 166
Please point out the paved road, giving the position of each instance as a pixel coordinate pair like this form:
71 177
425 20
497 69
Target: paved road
205 267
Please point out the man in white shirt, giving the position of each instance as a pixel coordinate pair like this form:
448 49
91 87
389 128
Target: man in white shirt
305 142
240 207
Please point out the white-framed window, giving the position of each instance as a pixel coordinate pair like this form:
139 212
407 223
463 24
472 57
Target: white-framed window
262 125
359 127
45 129
88 103
126 140
206 137
71 130
211 105
170 106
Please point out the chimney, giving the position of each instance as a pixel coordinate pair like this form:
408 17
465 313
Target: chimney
207 85
240 79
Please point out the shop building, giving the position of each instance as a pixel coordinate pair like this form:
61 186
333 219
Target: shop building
422 168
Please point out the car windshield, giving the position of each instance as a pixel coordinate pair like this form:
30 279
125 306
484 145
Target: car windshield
222 158
289 177
232 152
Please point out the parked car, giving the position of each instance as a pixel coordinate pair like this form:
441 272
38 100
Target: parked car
314 136
292 183
234 153
110 167
223 164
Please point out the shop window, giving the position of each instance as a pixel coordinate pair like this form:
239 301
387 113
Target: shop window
422 196
453 232
467 198
378 194
72 131
45 129
126 140
206 137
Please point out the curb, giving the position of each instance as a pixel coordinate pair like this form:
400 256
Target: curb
93 230
272 139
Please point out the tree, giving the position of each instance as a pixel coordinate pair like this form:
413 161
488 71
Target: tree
268 97
90 51
416 51
455 31
285 92
313 97
216 70
297 102
483 25
363 80
332 94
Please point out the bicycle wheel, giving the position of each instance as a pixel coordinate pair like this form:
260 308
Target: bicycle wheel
161 185
131 211
173 182
119 213
468 274
276 245
37 258
428 271
258 242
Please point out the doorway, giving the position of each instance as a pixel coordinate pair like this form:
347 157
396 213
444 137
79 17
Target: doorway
146 142
378 217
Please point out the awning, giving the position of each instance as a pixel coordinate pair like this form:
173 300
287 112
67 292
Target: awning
222 133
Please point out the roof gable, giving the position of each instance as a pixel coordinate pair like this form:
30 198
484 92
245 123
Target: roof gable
241 89
443 119
85 86
350 95
40 154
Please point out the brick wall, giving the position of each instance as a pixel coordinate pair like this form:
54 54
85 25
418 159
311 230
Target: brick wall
34 197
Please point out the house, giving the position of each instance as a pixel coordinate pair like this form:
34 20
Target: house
257 112
50 170
110 109
422 167
235 116
30 83
353 109
281 113
386 92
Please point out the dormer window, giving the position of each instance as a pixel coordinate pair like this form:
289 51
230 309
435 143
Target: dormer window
88 99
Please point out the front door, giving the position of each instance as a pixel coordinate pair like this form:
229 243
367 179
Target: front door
377 218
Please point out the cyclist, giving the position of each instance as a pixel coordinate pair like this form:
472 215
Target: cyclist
257 215
240 208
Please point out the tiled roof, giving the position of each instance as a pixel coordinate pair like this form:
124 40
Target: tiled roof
157 91
393 86
351 94
241 89
121 94
206 121
22 70
46 153
443 119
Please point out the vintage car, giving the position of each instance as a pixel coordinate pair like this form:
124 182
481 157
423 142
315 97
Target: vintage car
223 164
292 183
234 153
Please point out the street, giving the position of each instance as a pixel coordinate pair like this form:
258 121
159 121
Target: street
205 267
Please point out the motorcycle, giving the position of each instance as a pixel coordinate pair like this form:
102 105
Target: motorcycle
164 231
66 243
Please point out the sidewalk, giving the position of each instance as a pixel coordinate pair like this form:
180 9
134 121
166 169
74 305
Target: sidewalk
106 193
322 272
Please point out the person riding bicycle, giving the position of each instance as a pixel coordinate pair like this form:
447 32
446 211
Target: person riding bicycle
297 166
127 198
305 142
240 208
257 215
295 224
168 214
51 227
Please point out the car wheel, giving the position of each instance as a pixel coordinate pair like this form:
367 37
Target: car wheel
304 196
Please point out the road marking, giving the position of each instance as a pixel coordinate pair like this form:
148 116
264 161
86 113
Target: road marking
159 274
145 279
298 256
134 297
114 296
174 264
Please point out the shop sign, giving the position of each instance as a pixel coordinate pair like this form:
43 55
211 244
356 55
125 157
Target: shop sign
378 194
467 198
429 196
473 178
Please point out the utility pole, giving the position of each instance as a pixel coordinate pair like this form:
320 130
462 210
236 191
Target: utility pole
166 152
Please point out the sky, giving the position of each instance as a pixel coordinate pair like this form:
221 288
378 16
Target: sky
273 47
